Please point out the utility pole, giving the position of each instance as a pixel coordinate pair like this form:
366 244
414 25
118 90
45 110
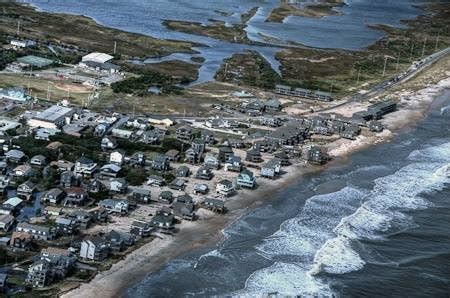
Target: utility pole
226 70
385 63
359 73
412 50
115 47
424 44
18 27
398 60
48 91
437 41
331 88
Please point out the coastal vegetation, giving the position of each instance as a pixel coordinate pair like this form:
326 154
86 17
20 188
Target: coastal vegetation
248 68
140 84
246 16
286 9
84 33
215 29
6 57
180 70
343 72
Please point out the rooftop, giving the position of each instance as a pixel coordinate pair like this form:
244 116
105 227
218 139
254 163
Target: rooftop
15 201
53 113
98 57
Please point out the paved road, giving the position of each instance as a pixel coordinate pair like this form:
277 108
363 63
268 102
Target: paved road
383 86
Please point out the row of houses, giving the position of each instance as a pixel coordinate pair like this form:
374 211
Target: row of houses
304 93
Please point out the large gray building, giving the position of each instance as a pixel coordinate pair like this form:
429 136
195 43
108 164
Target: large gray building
53 117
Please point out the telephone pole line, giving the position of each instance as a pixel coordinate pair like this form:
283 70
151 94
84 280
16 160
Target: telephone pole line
411 54
437 41
424 44
385 63
359 73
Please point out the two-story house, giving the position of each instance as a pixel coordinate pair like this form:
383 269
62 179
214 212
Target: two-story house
225 187
246 179
85 167
94 249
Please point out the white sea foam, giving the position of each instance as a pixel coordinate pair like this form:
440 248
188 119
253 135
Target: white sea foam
323 233
337 257
362 223
304 234
213 253
439 153
285 279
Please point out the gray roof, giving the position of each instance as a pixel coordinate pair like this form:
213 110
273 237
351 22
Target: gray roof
185 199
321 93
246 172
63 221
166 194
39 157
234 159
54 192
283 87
215 202
142 191
96 240
140 224
160 158
273 103
14 154
120 180
178 182
53 113
272 163
84 160
25 225
110 202
112 167
226 182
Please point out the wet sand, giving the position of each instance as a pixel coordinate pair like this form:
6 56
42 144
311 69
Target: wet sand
194 235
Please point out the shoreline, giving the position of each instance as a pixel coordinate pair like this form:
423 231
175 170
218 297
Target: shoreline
208 232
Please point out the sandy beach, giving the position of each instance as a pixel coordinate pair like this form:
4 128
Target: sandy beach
207 231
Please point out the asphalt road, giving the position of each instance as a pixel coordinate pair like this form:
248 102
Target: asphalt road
383 86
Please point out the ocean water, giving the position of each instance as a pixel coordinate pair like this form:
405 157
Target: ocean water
374 225
348 30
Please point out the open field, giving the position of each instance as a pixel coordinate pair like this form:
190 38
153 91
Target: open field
174 68
195 100
84 32
38 86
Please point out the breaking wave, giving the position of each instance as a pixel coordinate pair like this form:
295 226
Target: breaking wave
323 237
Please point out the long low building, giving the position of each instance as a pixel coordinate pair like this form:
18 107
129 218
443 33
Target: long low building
53 117
97 57
304 93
